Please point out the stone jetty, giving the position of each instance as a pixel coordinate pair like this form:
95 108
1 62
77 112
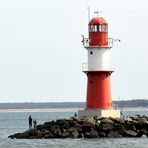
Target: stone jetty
89 127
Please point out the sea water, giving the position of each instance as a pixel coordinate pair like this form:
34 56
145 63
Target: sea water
13 122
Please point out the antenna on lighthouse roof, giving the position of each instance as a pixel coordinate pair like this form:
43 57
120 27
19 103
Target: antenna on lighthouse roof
97 13
88 9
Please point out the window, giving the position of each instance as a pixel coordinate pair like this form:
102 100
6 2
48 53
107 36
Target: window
97 27
93 28
102 28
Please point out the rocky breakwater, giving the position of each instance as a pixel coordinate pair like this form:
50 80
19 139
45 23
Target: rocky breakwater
89 127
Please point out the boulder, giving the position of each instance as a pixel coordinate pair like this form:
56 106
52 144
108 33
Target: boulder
78 127
60 122
72 123
141 133
91 134
72 129
138 125
102 134
97 127
120 128
114 134
81 135
87 123
33 133
136 118
65 125
43 132
74 134
76 118
117 120
130 126
126 119
90 120
40 134
26 134
46 126
20 135
106 127
80 121
145 117
107 121
130 133
54 128
56 133
86 128
49 135
65 135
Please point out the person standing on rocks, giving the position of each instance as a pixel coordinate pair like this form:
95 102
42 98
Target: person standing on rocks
75 114
35 124
30 122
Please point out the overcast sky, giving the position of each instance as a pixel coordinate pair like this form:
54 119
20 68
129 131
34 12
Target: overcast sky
41 54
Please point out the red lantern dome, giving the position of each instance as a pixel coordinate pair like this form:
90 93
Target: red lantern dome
98 32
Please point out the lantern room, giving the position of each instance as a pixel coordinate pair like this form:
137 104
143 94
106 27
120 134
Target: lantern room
98 32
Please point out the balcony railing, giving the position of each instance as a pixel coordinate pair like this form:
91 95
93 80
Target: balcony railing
86 41
96 67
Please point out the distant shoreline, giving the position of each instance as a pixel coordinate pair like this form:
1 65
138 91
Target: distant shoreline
42 110
64 105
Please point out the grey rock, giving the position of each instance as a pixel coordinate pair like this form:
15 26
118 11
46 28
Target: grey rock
91 134
114 134
107 121
74 134
21 135
120 128
65 134
130 126
49 135
130 133
106 127
56 133
117 120
72 129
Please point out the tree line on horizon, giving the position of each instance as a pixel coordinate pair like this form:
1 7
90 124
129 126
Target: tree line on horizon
39 105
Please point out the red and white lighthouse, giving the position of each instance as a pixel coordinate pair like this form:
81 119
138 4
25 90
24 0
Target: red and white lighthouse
98 70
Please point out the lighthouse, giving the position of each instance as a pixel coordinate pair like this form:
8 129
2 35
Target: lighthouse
98 70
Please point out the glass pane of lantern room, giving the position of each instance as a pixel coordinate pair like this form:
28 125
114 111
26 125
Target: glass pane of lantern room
100 28
91 28
95 28
103 28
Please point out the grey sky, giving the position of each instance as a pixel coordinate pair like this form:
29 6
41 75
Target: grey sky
41 54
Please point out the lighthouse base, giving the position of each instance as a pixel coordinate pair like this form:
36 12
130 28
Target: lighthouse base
115 113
